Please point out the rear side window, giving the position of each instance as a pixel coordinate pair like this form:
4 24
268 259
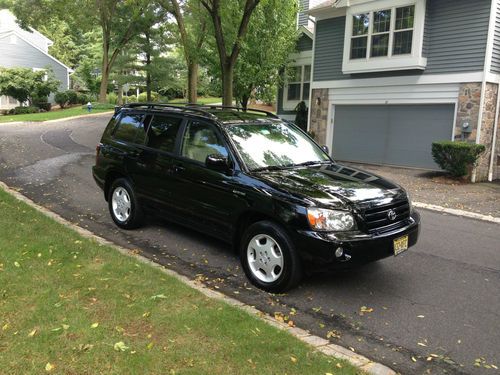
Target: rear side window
163 132
130 128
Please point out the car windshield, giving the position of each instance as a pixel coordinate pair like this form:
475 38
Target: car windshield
274 146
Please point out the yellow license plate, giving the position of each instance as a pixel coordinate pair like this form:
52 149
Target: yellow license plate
400 245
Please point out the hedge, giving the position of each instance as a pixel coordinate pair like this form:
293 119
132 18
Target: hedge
456 157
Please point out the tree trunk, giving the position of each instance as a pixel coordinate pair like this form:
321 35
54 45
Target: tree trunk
244 101
104 74
192 91
227 85
119 100
148 65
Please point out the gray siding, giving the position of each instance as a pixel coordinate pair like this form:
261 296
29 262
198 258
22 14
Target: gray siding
23 55
304 43
455 38
329 49
303 18
458 31
495 59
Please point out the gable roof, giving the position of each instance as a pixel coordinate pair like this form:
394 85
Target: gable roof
26 40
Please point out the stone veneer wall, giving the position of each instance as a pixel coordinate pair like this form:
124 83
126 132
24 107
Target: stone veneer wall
469 98
486 136
319 115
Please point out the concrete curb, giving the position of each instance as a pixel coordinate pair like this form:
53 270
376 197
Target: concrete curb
320 344
56 120
456 212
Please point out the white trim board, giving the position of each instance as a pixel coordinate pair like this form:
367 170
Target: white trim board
423 79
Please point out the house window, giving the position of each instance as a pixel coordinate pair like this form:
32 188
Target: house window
298 86
374 33
383 39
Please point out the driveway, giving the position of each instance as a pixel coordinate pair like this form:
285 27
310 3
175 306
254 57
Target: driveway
432 310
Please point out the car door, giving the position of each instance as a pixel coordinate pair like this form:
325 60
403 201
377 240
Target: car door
154 161
205 195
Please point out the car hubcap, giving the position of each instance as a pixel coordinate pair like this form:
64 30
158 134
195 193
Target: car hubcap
265 258
121 204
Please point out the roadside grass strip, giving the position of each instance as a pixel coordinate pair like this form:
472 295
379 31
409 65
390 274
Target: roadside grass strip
54 115
71 305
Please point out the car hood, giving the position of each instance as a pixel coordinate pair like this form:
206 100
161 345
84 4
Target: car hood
331 185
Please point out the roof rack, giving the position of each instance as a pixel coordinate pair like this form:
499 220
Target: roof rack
239 109
194 107
178 106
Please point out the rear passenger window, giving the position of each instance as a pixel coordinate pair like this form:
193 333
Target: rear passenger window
130 129
163 132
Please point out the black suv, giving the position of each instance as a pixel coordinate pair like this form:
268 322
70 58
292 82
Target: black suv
251 179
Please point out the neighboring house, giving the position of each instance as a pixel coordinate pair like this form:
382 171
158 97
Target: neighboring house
389 77
296 87
26 49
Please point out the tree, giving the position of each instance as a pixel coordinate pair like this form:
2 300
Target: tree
265 52
225 39
191 24
119 21
26 85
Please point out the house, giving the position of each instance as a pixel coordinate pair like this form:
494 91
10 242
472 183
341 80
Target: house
389 77
297 88
20 48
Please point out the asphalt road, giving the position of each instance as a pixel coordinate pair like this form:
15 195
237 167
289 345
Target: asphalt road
436 308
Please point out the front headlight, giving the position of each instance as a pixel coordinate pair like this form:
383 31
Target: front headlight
322 219
410 204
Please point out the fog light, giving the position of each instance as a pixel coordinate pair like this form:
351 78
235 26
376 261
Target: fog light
339 252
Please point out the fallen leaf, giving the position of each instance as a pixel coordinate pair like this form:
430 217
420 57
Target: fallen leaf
421 316
65 327
413 359
365 309
421 344
146 314
293 359
49 367
94 325
5 327
333 333
33 333
338 365
120 347
159 296
17 264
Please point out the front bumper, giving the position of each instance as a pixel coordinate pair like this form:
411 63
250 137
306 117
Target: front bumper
317 249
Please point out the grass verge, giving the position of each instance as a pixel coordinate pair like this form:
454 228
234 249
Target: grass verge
208 100
53 115
70 305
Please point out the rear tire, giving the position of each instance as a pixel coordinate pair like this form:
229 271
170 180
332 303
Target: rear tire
123 206
269 257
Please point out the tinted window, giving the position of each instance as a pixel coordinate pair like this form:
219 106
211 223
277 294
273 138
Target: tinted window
162 132
200 140
130 126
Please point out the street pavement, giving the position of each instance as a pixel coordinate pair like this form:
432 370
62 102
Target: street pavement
434 309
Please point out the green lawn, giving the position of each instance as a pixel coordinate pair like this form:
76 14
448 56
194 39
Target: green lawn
54 115
71 306
208 100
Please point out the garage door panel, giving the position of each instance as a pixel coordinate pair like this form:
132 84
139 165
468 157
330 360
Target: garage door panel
392 134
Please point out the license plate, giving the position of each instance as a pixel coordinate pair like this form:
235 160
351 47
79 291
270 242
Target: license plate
400 245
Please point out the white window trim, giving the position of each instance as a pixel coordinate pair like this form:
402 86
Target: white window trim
299 60
415 60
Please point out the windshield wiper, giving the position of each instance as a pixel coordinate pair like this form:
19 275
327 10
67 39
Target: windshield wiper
269 168
309 163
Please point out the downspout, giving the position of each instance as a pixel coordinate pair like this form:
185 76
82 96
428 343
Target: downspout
486 69
494 141
312 74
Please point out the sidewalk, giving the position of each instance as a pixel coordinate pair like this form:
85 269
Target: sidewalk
434 188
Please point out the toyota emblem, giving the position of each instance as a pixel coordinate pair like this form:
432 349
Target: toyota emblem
391 215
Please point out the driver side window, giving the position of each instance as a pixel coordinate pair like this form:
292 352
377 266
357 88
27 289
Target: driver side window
201 140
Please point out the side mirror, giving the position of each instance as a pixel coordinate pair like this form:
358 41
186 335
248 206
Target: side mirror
217 162
325 148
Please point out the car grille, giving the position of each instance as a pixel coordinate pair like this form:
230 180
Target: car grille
377 218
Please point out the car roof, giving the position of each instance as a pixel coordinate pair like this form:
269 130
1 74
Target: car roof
222 114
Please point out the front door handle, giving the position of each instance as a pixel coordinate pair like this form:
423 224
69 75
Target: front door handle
178 168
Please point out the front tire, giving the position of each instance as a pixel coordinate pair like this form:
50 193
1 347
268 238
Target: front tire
123 206
269 257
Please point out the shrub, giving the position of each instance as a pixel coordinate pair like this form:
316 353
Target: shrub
143 97
83 98
23 110
61 98
301 115
44 106
72 97
112 98
456 157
